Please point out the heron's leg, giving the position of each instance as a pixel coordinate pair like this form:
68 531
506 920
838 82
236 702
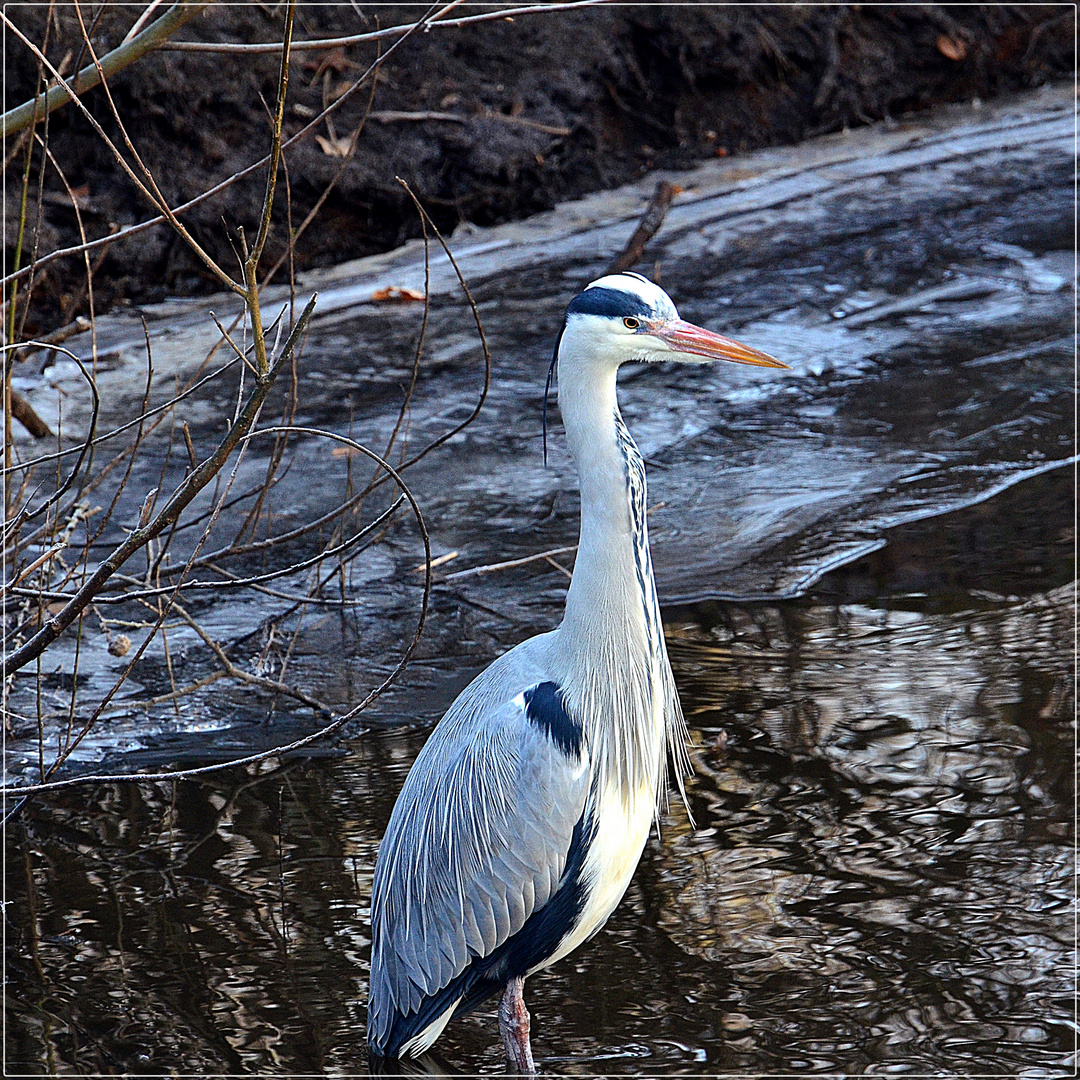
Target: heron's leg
514 1027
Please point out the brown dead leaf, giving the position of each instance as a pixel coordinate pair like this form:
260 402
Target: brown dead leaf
397 295
954 48
336 148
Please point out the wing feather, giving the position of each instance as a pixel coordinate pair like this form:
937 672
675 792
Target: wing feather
476 843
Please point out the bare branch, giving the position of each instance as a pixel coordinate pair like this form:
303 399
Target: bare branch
25 514
315 122
23 411
647 228
174 506
254 48
479 329
509 564
233 582
141 418
307 740
245 676
149 193
15 120
251 263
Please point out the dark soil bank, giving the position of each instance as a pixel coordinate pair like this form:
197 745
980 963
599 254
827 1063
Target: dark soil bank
542 108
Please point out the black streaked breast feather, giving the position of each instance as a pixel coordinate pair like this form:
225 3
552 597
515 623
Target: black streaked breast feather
634 472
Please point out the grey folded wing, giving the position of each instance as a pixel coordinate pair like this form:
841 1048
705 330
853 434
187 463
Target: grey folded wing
477 842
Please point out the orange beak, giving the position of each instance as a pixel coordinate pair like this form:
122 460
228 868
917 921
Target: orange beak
696 340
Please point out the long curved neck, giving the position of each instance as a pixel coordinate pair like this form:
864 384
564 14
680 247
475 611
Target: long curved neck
612 568
619 676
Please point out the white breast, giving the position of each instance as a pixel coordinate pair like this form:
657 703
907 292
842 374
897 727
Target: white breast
621 832
621 809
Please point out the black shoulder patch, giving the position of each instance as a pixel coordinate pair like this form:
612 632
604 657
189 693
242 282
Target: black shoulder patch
614 303
544 706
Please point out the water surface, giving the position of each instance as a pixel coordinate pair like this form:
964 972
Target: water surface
879 878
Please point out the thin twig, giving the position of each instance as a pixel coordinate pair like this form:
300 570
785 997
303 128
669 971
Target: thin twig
150 193
149 188
211 192
139 420
239 582
30 112
251 264
559 566
174 506
509 564
240 675
315 122
504 15
397 116
296 744
647 228
25 514
479 329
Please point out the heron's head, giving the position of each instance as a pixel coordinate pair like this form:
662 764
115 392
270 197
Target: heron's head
625 318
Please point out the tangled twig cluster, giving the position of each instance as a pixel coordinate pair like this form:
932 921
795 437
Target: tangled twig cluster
56 585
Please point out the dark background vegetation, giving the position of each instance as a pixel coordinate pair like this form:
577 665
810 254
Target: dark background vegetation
633 88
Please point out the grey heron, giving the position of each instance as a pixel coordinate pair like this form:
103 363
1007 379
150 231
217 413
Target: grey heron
523 818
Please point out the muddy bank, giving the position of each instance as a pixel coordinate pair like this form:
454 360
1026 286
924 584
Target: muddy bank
487 123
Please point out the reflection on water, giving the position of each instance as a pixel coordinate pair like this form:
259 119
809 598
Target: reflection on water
881 866
878 880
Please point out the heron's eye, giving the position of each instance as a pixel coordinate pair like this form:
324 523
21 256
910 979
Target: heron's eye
631 323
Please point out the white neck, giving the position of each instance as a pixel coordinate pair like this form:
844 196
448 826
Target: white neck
617 672
605 588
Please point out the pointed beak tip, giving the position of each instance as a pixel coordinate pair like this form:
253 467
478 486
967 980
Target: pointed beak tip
698 341
773 362
744 354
